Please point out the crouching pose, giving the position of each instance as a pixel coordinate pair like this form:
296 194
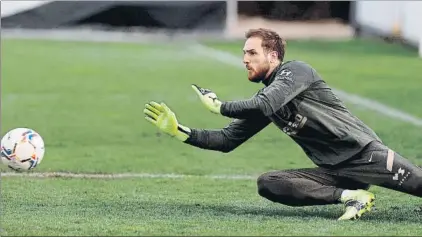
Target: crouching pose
349 155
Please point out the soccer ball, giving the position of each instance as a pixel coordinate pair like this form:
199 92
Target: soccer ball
22 149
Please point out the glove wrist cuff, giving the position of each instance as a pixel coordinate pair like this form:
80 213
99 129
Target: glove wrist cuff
183 133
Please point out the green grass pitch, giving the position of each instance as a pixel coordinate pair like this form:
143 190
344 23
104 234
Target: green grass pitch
86 100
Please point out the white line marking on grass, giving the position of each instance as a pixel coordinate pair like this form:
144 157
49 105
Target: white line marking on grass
122 176
232 60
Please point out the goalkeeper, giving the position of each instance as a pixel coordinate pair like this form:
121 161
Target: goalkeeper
349 155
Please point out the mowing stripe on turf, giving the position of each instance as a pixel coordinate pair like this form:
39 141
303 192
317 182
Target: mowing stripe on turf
123 175
232 60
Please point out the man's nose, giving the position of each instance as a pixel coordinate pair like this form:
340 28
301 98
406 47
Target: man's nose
245 60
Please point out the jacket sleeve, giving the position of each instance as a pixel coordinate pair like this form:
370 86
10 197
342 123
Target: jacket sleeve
287 84
228 138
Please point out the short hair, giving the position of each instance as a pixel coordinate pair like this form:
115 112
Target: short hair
271 41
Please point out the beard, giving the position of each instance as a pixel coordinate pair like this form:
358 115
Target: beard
258 74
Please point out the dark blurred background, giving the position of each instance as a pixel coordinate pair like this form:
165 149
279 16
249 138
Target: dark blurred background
171 14
296 10
392 20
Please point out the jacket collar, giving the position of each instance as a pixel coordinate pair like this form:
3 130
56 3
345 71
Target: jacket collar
267 81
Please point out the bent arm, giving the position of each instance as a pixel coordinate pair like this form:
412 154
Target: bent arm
286 86
228 138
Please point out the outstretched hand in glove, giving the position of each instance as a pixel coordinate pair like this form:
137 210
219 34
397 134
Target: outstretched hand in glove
208 98
162 117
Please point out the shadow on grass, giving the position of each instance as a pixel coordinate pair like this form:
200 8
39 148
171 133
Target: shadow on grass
408 214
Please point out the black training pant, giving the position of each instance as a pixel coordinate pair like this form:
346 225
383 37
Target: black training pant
375 165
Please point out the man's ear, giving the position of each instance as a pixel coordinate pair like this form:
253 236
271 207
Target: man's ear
273 56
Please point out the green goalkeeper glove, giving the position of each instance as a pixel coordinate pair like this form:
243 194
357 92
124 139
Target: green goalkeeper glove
208 98
161 116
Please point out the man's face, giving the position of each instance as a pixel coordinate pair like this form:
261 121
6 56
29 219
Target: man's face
255 59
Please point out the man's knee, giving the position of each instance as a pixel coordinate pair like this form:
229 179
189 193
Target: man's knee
265 183
275 188
262 183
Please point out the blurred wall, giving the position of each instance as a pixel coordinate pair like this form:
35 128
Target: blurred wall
9 8
402 19
296 10
198 15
